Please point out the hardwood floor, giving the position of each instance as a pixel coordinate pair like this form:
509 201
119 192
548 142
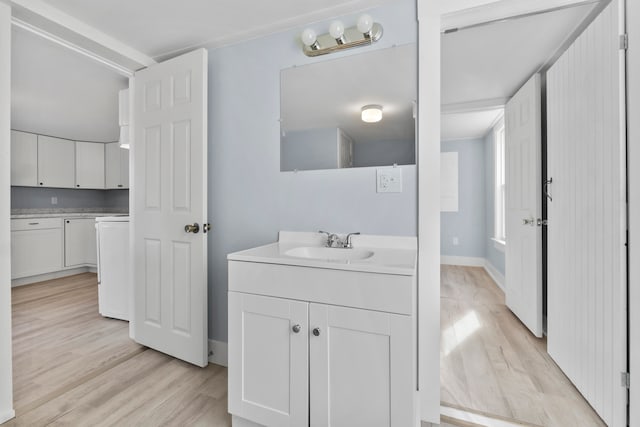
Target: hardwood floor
490 362
73 367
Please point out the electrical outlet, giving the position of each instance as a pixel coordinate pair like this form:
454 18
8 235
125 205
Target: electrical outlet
456 241
389 180
54 200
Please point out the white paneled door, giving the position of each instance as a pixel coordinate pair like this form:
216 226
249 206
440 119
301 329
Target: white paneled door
523 253
586 151
169 188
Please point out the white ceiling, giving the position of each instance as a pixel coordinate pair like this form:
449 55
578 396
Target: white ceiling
331 94
160 28
61 93
493 61
474 124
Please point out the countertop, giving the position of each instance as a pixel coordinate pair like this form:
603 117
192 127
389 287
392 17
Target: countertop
64 213
391 255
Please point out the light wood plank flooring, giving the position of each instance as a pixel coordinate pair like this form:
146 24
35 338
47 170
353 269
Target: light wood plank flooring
491 364
73 367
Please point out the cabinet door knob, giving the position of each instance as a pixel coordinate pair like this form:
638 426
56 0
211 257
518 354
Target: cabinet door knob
316 332
296 328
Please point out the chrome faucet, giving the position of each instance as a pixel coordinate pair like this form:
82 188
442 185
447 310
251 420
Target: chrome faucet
347 240
333 240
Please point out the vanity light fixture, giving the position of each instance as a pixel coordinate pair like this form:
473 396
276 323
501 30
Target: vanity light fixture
364 33
371 113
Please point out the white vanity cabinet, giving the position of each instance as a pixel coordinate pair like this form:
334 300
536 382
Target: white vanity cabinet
80 242
117 166
36 246
336 366
90 165
271 383
24 159
56 162
321 342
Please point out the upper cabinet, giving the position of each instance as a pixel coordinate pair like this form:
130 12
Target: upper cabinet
24 159
90 165
117 166
45 161
56 162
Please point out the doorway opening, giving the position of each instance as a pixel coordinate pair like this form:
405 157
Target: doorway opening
495 360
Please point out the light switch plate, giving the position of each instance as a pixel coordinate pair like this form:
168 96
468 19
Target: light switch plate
389 180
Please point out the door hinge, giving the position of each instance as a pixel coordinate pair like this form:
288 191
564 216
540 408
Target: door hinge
624 41
625 379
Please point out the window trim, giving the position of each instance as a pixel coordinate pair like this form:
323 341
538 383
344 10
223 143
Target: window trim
499 182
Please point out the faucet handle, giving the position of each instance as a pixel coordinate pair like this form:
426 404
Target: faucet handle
347 240
328 242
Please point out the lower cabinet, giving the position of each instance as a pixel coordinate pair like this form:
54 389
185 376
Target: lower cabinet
300 363
36 246
80 242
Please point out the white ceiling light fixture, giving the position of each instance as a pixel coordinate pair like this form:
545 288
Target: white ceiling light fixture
364 33
371 113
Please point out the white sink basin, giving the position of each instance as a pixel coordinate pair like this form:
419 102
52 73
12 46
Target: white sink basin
329 254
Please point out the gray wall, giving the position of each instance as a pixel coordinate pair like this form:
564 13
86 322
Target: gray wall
250 200
468 224
40 198
493 255
309 149
384 153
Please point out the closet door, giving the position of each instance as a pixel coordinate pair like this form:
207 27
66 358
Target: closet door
587 215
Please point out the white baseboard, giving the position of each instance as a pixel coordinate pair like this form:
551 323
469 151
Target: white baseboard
6 416
50 276
496 275
466 261
218 353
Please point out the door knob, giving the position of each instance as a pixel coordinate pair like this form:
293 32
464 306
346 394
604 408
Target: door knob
192 228
296 328
316 332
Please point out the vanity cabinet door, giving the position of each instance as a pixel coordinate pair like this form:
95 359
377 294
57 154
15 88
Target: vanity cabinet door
268 350
360 368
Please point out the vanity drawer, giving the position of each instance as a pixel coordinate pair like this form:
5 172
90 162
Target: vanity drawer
388 293
25 224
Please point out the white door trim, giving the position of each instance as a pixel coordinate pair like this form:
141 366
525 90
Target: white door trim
6 380
633 178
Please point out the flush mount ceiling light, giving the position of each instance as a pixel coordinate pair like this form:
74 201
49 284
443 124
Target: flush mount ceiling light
371 113
364 33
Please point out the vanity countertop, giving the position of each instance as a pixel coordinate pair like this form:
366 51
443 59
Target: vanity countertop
391 255
64 213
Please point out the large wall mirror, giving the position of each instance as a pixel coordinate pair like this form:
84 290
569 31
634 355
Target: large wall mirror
323 111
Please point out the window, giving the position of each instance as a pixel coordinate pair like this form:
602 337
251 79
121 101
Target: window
499 179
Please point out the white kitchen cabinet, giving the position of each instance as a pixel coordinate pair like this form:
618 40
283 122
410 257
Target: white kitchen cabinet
90 163
56 162
80 242
117 166
24 159
36 246
269 385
